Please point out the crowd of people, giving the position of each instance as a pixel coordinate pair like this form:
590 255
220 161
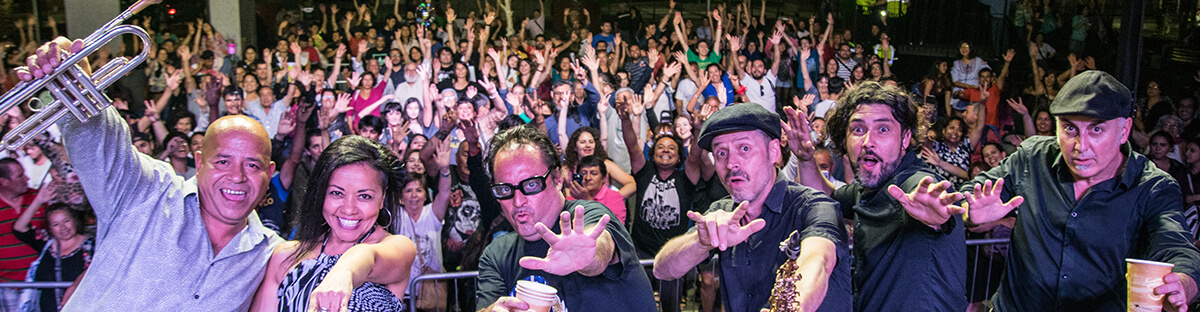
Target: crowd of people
701 139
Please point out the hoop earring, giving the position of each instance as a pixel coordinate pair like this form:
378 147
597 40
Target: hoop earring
389 218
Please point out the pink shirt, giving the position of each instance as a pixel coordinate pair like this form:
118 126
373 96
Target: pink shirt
611 199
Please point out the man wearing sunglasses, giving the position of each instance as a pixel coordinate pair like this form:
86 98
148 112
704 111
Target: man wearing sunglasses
765 209
526 180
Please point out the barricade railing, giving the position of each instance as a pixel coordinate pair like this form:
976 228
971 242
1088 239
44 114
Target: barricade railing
984 268
974 244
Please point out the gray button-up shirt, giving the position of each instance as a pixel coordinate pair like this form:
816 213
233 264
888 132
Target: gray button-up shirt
152 250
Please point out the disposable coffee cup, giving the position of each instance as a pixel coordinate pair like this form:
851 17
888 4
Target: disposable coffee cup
1141 277
540 297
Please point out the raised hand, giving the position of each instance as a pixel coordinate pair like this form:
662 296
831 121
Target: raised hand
735 43
1008 55
286 124
1018 106
450 16
174 79
443 155
930 156
341 51
602 106
984 205
354 79
671 71
472 91
342 104
489 18
571 251
799 132
721 229
929 202
652 56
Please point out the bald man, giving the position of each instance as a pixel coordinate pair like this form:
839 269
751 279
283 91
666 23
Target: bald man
165 243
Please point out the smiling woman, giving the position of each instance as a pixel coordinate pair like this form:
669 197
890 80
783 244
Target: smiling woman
356 180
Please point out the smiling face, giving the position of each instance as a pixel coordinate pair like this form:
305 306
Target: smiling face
992 155
666 153
875 143
514 164
952 134
233 170
1044 123
586 145
62 226
413 162
738 158
1088 145
413 196
354 195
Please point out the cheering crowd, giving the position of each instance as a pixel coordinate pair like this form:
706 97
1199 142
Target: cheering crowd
561 149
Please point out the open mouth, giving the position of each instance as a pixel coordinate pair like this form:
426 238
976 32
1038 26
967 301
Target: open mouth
348 224
233 195
869 162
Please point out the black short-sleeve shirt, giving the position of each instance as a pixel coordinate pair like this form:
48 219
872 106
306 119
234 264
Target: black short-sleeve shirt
661 208
623 286
900 263
748 269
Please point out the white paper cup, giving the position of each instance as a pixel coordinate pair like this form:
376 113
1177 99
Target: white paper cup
1141 277
540 297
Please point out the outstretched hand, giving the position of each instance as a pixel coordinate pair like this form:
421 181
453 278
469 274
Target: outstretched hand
721 229
929 202
799 132
571 251
984 205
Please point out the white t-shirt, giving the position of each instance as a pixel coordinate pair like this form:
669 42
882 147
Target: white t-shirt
761 92
823 108
684 92
36 174
426 234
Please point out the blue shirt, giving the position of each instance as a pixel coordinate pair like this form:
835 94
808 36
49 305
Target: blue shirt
710 90
584 116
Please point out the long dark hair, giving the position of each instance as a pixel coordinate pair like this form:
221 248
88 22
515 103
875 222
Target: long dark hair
571 155
352 149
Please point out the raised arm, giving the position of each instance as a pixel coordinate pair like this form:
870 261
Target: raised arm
629 133
1008 56
442 200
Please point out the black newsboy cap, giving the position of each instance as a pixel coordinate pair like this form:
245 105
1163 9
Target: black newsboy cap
740 117
1093 94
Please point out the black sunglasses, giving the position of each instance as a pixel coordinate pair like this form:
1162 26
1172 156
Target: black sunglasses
530 186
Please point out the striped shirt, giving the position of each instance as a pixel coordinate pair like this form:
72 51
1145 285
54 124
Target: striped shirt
16 256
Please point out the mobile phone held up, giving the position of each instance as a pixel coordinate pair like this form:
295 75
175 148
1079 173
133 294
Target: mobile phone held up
578 178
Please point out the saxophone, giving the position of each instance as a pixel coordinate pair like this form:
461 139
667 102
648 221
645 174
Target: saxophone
785 294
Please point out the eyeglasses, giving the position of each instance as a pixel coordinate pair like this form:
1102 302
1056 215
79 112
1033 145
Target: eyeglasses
529 187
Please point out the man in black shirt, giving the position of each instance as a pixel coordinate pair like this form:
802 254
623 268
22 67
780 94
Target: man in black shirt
1090 202
590 263
909 244
744 140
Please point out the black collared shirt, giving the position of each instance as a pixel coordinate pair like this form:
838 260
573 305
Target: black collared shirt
1068 254
900 264
748 269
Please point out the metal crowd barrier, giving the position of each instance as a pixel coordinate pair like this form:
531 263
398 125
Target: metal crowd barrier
971 243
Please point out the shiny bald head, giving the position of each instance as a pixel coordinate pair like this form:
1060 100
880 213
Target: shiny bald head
236 124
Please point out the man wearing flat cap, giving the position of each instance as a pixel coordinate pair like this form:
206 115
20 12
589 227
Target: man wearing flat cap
746 230
1085 201
909 243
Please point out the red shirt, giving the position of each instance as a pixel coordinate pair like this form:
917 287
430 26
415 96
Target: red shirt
16 256
993 105
611 199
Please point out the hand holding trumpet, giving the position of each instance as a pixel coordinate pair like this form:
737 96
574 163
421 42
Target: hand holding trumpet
48 57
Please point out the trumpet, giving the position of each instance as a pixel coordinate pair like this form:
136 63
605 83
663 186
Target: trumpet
73 90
